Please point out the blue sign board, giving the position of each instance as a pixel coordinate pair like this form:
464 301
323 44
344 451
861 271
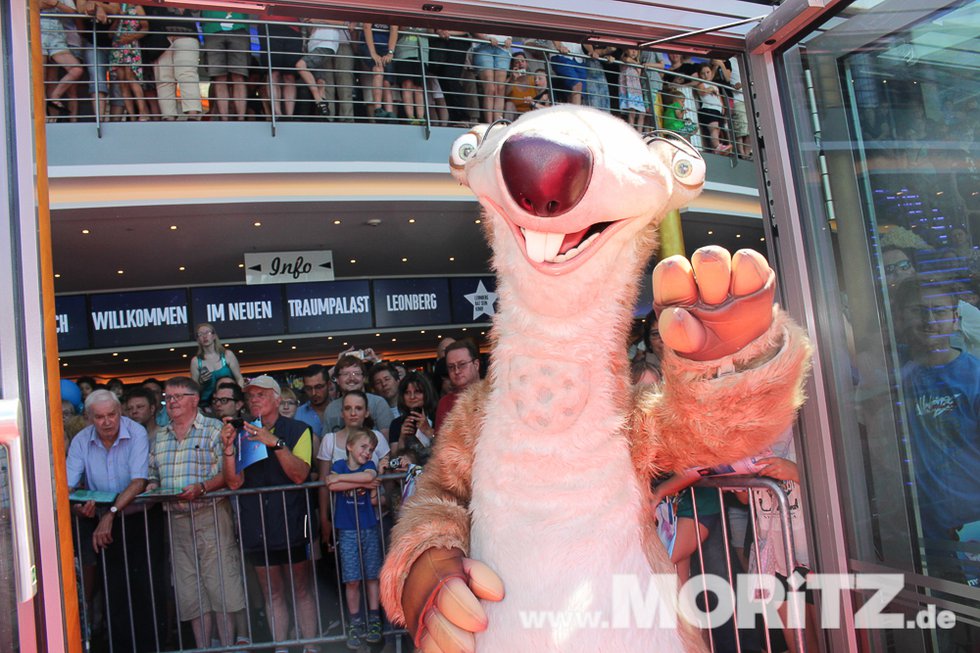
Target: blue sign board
474 299
71 322
328 306
139 318
411 302
240 311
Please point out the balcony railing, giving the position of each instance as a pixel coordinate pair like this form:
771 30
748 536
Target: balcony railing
426 81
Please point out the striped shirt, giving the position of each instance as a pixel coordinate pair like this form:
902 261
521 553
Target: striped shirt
175 464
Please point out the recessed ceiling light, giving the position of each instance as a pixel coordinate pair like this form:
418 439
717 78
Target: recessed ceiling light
241 351
183 355
120 272
171 349
404 259
411 221
86 231
115 353
329 337
394 339
241 265
226 344
279 342
422 331
345 344
337 221
353 260
762 240
477 221
57 275
293 347
738 235
173 227
464 328
377 335
181 268
483 333
256 224
452 258
710 232
125 360
64 364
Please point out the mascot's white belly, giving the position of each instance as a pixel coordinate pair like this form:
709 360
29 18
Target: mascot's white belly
557 516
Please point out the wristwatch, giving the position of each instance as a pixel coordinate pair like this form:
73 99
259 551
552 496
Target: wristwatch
113 510
280 444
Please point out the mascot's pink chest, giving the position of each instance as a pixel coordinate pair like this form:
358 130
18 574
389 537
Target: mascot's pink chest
545 395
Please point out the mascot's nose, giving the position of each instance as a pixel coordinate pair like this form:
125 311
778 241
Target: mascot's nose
545 177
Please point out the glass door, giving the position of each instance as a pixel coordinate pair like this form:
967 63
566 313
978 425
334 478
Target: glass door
36 569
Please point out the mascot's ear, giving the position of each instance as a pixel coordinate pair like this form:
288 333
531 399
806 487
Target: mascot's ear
464 149
684 162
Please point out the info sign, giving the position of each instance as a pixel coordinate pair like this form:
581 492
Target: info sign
288 267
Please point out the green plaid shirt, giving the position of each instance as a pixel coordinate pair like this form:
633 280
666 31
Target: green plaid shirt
176 464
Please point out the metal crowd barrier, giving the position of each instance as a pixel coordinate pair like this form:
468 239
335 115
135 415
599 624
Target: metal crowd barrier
135 608
733 568
267 85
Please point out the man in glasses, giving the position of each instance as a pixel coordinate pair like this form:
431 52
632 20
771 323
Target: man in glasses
351 375
187 459
463 366
316 385
227 400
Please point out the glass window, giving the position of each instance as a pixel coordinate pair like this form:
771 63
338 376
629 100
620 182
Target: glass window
885 110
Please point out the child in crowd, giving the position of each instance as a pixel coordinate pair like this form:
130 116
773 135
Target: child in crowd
673 112
631 90
354 482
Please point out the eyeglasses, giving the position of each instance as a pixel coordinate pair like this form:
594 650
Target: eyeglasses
459 367
314 388
221 401
289 402
900 266
177 396
351 374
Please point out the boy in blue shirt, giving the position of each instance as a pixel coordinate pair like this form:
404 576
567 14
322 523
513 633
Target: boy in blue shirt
355 483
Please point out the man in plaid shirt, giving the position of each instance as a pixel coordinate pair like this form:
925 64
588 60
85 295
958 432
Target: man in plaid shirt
186 458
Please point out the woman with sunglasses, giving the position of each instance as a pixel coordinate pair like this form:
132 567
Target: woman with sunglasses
212 362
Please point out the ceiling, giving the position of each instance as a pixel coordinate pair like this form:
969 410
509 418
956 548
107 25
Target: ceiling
189 243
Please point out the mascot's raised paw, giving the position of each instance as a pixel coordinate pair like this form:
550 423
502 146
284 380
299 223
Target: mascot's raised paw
715 304
441 600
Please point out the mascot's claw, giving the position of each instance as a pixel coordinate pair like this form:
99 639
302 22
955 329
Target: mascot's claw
715 304
441 600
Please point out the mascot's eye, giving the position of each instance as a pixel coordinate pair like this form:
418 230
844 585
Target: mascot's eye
464 149
683 167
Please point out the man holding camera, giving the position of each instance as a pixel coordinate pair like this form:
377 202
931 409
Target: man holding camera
187 458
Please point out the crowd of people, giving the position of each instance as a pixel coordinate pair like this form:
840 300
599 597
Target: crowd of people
144 461
134 62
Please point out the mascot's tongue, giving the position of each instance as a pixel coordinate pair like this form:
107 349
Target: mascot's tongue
572 240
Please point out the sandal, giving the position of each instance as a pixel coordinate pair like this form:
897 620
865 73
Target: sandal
59 107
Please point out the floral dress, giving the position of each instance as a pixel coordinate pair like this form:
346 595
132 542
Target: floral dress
128 53
630 90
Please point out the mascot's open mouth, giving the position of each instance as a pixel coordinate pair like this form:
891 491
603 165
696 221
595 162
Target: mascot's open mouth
560 252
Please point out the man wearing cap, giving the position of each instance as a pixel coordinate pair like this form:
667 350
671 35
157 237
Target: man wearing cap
275 526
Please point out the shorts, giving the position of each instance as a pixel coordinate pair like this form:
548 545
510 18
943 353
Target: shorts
227 53
53 40
277 557
97 73
568 72
740 119
207 566
408 68
489 57
708 116
351 554
317 61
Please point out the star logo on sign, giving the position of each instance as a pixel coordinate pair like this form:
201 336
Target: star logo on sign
482 301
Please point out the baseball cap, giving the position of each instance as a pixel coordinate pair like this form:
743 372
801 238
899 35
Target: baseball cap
264 381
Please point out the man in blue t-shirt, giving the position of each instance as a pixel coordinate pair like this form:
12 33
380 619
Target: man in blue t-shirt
942 400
